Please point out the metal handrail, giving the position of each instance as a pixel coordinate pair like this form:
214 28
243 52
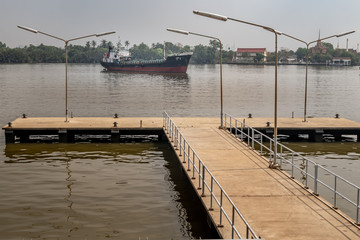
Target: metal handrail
207 183
307 171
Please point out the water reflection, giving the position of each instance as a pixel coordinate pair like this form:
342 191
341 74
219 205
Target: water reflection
69 186
147 74
119 78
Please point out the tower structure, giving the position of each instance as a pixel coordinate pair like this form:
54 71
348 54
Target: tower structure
319 48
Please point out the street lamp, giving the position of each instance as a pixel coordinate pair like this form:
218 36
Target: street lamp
66 57
307 59
221 83
273 163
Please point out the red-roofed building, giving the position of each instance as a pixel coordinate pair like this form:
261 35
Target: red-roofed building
250 54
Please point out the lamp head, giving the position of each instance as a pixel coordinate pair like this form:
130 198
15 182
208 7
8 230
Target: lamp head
343 34
272 30
103 34
28 29
178 31
211 15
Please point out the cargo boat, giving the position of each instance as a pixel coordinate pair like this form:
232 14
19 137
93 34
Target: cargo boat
122 61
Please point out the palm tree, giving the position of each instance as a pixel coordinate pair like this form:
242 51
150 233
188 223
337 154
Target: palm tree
118 44
103 43
127 43
93 43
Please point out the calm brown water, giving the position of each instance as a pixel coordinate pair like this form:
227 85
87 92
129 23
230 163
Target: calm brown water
96 191
109 190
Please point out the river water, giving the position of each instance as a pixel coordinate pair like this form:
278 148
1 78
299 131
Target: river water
92 191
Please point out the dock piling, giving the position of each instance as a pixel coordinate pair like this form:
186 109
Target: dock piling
9 136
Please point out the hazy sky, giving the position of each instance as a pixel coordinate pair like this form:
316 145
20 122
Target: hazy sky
146 21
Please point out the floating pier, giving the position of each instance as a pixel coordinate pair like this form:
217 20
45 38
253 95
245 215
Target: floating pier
313 130
55 129
113 129
243 197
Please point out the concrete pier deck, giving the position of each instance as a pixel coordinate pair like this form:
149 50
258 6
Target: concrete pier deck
276 206
22 129
315 128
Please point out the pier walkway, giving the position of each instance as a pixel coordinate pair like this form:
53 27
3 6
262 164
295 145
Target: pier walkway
273 204
255 201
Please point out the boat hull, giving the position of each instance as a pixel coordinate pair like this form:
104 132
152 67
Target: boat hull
173 64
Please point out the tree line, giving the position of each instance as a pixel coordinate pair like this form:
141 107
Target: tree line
317 57
202 54
93 52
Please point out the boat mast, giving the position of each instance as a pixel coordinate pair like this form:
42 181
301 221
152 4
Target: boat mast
164 52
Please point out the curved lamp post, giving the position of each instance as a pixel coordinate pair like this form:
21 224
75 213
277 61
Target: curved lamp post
66 57
307 59
273 163
221 83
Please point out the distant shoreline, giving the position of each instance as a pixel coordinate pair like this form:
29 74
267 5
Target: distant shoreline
295 64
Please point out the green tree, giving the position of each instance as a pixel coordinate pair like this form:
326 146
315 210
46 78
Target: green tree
215 44
203 55
259 58
270 58
93 43
329 47
2 45
127 43
104 44
118 44
301 53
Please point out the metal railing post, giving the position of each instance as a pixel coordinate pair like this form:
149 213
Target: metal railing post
176 138
292 164
180 145
306 173
203 181
211 192
188 154
199 175
357 206
261 144
335 193
193 176
242 131
252 138
171 131
316 174
232 222
248 136
221 207
271 151
184 151
164 119
236 129
189 158
281 155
